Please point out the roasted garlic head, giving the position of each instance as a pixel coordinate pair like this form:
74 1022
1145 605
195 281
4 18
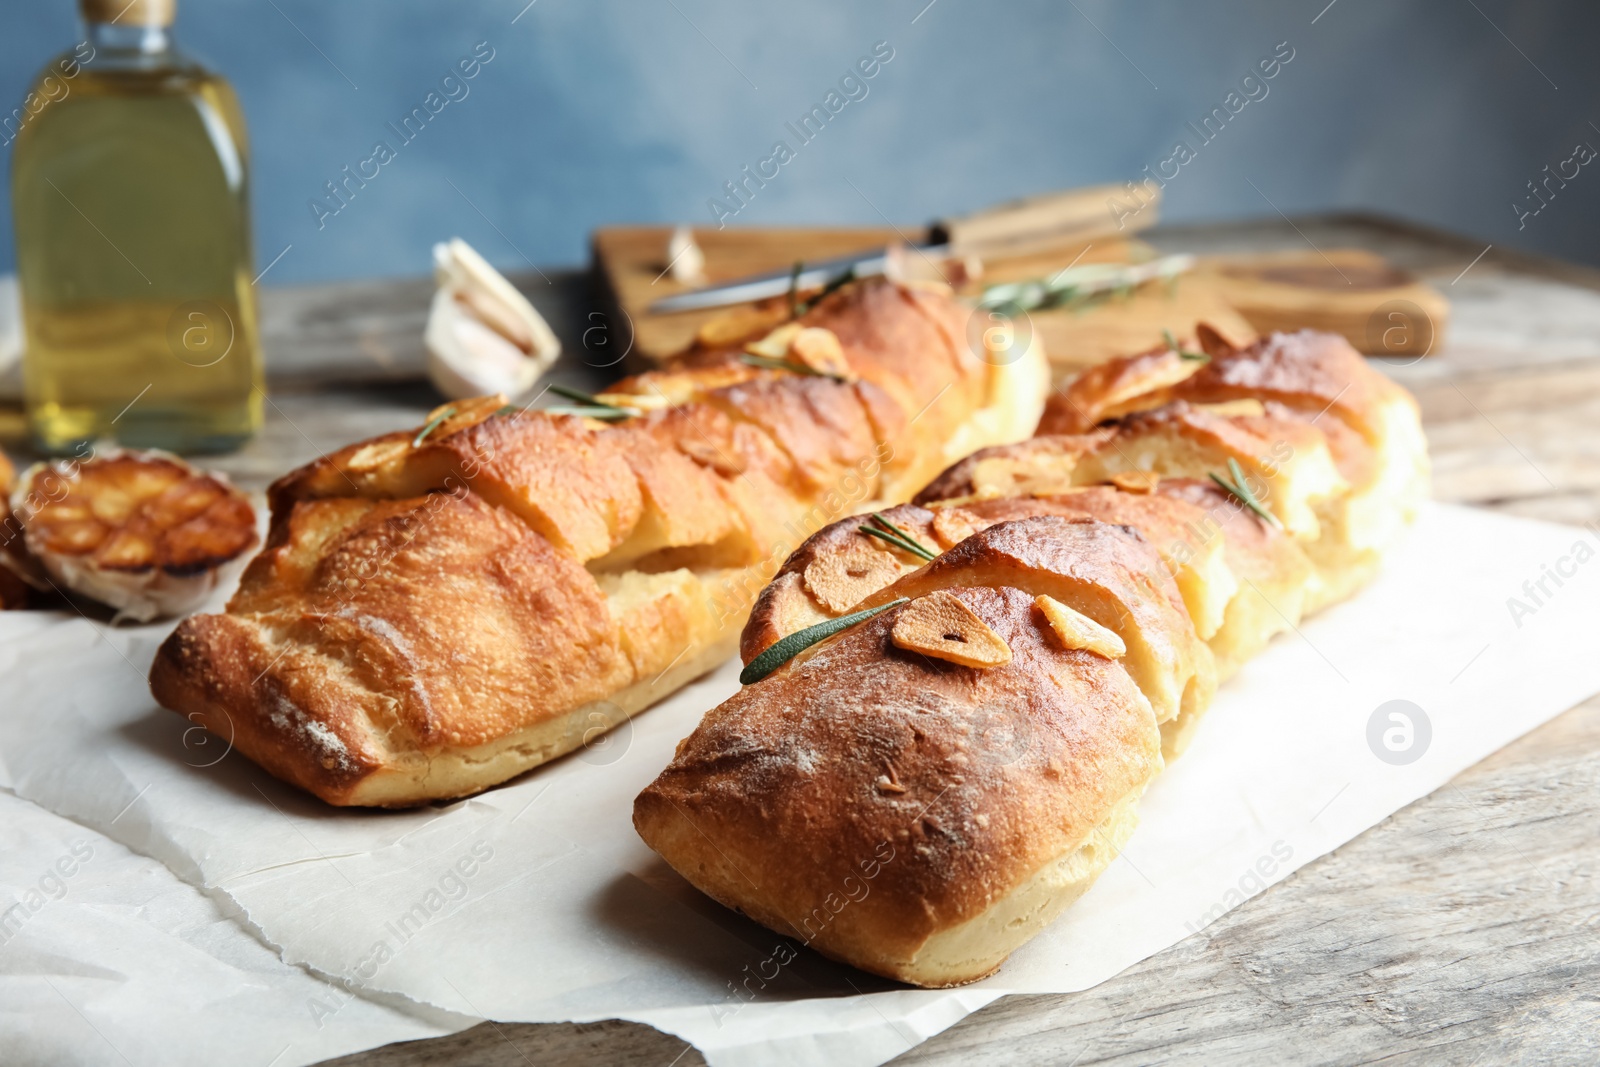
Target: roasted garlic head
143 532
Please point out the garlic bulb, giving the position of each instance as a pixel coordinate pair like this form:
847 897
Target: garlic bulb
143 532
685 259
482 335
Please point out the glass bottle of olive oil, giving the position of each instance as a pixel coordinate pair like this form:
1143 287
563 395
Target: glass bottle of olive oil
129 194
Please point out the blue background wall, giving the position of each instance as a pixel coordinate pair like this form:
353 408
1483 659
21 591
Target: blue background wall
595 111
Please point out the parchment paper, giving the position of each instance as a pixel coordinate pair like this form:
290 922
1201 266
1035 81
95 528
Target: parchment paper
537 901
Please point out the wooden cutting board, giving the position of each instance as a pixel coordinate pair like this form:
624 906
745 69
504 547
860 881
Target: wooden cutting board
632 262
1379 309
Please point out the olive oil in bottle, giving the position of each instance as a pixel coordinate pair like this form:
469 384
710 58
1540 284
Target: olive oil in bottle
129 194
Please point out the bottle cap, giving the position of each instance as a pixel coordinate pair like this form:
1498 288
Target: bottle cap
129 12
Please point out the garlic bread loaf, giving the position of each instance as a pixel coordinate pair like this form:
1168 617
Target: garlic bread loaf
986 757
440 609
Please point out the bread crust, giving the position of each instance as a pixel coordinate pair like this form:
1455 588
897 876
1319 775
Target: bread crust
1189 579
440 609
867 796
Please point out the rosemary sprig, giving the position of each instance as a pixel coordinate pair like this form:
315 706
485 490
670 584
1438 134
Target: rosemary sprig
1172 343
588 405
794 367
433 424
1243 494
893 534
838 281
587 399
1081 287
785 649
603 412
508 409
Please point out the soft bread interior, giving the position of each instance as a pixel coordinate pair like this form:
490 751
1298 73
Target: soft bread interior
1290 486
1017 390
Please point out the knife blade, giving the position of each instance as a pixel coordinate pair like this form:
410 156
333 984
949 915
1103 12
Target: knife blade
866 263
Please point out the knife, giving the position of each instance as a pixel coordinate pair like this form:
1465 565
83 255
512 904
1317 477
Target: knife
866 264
1018 227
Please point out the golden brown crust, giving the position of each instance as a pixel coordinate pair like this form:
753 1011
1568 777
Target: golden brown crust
1316 378
1115 388
844 829
791 601
1308 371
1109 573
771 805
449 597
1040 464
385 629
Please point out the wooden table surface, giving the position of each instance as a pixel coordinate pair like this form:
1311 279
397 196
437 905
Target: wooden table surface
1464 929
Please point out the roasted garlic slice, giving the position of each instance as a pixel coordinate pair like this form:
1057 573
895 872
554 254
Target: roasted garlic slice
1077 630
841 580
143 532
940 625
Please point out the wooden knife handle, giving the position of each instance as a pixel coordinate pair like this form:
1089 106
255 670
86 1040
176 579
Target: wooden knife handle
1049 219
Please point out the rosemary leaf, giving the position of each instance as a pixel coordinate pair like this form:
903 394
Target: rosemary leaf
604 412
787 648
898 542
433 424
1172 343
793 367
586 399
1241 492
910 542
1079 288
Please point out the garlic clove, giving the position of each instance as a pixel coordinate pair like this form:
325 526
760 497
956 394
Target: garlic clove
685 261
483 336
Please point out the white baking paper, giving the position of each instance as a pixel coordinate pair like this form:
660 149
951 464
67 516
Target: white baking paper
106 957
537 902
